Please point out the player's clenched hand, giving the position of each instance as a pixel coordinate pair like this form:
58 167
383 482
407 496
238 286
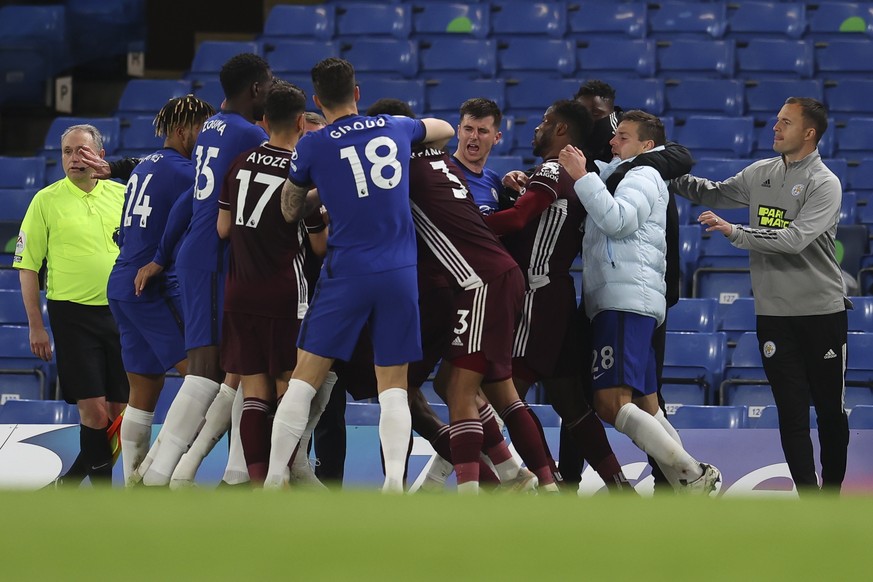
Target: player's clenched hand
573 161
96 163
40 344
714 222
515 179
144 275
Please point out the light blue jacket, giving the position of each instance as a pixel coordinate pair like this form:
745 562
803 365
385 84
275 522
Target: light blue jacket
624 248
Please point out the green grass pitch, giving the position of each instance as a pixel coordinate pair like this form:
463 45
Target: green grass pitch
245 535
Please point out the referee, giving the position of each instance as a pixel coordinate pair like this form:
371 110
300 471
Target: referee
794 205
70 224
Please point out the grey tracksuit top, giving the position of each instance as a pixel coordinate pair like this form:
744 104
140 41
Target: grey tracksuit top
793 213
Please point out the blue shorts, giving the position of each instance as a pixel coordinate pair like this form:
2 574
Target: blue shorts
340 307
203 306
152 337
622 351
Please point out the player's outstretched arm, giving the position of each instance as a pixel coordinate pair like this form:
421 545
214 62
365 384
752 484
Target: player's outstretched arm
293 201
438 132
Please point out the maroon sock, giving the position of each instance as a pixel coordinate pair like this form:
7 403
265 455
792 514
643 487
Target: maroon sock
466 443
254 432
441 443
527 441
589 434
493 443
553 467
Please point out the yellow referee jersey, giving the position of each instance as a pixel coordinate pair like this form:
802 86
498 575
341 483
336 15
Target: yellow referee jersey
72 230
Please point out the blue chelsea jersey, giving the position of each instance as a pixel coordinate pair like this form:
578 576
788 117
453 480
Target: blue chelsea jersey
483 187
223 137
154 186
360 166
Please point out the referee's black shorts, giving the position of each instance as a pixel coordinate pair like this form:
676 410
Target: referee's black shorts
88 352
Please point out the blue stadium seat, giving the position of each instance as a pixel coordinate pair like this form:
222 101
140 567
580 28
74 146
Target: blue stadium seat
12 307
840 168
33 48
861 418
860 175
512 18
383 57
22 172
38 412
434 18
710 417
18 386
676 395
849 204
468 58
765 97
737 318
696 57
859 367
591 18
411 91
14 203
370 19
212 54
718 169
692 96
715 249
211 92
773 58
858 396
861 317
725 284
847 98
844 58
751 395
16 357
689 251
616 57
508 140
757 19
551 57
148 96
109 127
830 20
854 139
745 366
447 96
297 57
25 76
528 97
710 136
631 93
769 418
138 133
853 238
9 278
670 20
503 164
695 358
692 315
683 206
290 21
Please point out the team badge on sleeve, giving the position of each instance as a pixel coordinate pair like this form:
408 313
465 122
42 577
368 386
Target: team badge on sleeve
20 243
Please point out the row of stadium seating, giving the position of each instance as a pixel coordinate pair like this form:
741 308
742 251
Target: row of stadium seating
574 18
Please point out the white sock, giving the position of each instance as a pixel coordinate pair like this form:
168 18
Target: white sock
648 434
216 424
319 403
136 434
292 415
236 471
468 488
184 419
395 426
669 473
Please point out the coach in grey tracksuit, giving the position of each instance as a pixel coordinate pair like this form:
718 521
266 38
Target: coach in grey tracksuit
794 204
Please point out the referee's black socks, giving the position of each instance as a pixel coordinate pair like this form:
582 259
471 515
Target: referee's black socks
97 454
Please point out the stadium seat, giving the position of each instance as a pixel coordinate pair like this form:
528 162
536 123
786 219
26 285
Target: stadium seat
709 136
751 395
383 57
38 412
615 57
212 54
9 278
861 316
765 97
12 307
691 314
447 96
840 168
865 273
22 172
718 169
16 357
715 249
710 417
512 18
14 203
138 133
696 57
745 366
737 318
853 238
631 93
468 58
689 251
297 57
591 18
854 139
434 18
676 395
858 396
844 58
725 284
290 21
861 418
769 418
860 175
371 19
529 97
846 98
503 164
670 20
757 19
548 56
830 20
683 206
410 91
508 140
109 127
859 367
772 58
849 205
25 76
695 358
33 48
692 96
148 96
211 92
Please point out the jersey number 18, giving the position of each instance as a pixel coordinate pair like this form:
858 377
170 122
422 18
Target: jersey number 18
379 163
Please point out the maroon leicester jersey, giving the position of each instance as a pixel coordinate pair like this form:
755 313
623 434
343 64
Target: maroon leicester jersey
266 257
546 246
452 236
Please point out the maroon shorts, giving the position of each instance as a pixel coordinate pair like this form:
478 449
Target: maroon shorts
484 321
437 308
546 338
254 344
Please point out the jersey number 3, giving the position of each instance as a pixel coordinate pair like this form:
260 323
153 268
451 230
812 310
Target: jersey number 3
379 163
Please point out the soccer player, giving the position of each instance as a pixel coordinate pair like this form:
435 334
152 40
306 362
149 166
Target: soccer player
543 232
201 268
624 250
150 323
478 133
360 166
